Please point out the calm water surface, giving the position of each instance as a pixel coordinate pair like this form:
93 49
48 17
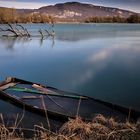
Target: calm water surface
98 60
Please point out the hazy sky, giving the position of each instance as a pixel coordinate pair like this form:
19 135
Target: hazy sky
133 5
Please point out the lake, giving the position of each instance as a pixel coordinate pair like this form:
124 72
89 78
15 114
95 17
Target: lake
98 60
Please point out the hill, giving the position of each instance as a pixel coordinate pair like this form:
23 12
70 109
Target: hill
66 12
81 11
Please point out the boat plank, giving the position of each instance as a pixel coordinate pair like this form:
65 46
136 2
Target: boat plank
4 87
31 97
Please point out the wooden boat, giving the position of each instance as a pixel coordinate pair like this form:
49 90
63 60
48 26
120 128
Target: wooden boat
57 104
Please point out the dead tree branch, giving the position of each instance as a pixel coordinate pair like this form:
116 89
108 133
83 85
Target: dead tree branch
19 31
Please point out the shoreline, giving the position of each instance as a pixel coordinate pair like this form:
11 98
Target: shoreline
76 23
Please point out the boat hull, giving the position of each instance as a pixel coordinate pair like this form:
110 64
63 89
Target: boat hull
57 104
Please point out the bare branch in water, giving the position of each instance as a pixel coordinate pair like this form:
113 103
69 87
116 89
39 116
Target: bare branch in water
40 31
20 31
12 30
47 32
26 33
50 33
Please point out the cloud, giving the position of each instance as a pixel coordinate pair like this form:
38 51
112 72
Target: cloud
98 62
21 5
99 56
126 56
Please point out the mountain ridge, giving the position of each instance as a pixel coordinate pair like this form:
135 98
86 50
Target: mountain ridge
79 11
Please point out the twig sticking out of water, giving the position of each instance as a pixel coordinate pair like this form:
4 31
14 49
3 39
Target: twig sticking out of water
11 30
24 30
46 114
41 33
8 134
18 122
17 31
78 108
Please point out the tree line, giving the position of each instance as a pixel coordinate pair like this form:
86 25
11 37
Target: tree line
10 15
135 18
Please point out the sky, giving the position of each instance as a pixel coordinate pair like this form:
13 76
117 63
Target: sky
133 5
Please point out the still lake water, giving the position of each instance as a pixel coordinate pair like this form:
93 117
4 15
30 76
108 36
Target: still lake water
98 60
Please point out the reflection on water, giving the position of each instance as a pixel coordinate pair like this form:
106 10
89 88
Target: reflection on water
9 42
99 60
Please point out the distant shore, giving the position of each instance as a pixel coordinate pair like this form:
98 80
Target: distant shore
11 16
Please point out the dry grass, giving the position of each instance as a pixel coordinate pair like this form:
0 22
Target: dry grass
100 128
7 133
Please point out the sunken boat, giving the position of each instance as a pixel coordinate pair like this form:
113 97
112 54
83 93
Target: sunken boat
58 104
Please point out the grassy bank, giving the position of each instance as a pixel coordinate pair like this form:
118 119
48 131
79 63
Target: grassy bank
100 128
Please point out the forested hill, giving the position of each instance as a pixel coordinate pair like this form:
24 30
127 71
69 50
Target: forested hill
82 10
66 12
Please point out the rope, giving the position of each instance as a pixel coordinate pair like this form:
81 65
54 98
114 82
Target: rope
58 104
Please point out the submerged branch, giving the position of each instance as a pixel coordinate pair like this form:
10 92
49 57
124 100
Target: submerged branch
20 31
41 33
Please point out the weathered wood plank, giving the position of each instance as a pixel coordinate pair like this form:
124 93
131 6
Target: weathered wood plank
31 97
7 86
8 80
